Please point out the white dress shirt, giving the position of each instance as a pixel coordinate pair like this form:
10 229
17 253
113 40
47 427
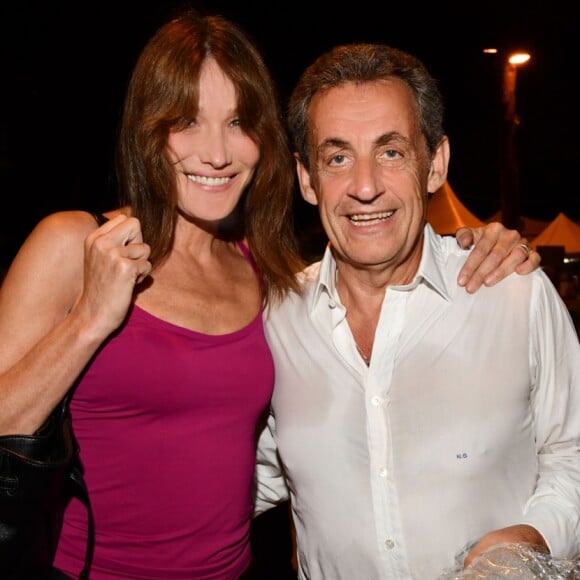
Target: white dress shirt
466 421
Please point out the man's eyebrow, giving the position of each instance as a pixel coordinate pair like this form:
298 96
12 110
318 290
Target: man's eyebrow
385 139
391 137
332 142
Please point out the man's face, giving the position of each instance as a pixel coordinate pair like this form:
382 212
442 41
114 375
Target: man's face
370 173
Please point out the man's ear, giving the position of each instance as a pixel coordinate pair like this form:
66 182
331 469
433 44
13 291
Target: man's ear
306 189
439 166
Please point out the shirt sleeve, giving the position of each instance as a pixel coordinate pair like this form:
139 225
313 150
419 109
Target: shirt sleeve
554 508
271 488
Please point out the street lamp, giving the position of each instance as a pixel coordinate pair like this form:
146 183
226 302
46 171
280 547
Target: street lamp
509 178
510 68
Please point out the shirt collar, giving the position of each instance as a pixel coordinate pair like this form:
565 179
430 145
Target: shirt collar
431 269
326 282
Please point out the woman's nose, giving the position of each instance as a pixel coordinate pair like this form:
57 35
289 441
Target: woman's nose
215 150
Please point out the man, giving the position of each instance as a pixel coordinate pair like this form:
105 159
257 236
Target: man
412 418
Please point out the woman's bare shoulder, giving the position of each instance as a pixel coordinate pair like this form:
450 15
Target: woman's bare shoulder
44 279
66 229
50 260
65 226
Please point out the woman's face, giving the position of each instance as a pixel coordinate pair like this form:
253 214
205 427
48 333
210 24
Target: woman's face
214 159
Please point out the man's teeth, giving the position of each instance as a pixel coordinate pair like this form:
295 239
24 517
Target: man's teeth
366 218
203 180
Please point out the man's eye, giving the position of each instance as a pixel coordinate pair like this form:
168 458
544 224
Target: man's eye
392 153
336 160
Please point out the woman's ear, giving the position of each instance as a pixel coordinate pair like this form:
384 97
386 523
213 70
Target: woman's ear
439 166
304 180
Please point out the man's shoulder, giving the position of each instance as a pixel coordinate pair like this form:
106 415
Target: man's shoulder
294 302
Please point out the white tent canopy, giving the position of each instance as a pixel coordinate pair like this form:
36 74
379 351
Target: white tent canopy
562 231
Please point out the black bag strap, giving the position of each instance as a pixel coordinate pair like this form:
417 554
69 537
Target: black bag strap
83 494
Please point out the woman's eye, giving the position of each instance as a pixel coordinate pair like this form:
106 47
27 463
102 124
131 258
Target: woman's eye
185 124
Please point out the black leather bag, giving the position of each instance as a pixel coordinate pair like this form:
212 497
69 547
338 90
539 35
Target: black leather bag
38 475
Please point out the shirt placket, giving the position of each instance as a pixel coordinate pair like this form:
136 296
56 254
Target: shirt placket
377 385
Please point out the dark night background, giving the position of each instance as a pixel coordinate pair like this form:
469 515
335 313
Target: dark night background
64 67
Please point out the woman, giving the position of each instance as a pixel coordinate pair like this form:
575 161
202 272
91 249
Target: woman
155 316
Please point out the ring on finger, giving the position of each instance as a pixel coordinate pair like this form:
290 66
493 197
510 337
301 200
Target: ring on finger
526 249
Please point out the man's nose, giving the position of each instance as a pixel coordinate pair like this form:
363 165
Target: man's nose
365 183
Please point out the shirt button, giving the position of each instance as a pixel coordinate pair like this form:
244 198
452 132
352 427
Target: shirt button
389 544
375 401
331 304
383 472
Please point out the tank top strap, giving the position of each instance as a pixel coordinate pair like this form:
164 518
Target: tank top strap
246 251
248 255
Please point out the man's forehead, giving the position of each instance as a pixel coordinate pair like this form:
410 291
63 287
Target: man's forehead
362 90
351 111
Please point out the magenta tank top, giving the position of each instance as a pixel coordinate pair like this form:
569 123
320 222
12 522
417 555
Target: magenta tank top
166 418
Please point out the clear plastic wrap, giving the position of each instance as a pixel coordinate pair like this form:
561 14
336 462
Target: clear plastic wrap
519 561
